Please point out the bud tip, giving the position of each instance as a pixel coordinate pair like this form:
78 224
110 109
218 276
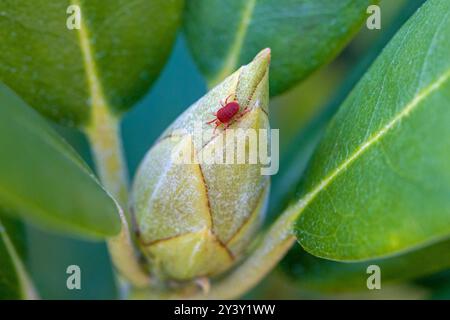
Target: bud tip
265 53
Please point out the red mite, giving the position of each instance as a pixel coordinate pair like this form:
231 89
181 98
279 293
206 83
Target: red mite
227 113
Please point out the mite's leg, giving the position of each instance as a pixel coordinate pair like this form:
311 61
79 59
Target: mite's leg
226 100
213 120
246 110
218 123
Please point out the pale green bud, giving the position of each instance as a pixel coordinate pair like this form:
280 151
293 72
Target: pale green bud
197 219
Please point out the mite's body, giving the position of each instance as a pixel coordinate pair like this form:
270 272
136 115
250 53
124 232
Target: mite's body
227 113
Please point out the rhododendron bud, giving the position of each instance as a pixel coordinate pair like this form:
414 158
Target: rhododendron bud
196 204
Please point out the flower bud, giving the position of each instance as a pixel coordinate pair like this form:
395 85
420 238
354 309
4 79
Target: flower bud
196 218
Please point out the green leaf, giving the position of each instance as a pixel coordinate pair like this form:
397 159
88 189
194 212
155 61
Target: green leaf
312 273
294 161
10 282
379 181
113 59
302 34
43 179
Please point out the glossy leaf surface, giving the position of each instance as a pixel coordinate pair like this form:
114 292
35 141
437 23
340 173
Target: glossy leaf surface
379 182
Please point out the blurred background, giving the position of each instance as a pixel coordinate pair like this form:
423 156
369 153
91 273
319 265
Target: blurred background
300 114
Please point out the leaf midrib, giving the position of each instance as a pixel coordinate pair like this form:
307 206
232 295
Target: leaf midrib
236 46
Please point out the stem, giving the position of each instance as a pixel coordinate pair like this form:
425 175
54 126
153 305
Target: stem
104 136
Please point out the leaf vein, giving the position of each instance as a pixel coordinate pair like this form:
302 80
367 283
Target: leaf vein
236 46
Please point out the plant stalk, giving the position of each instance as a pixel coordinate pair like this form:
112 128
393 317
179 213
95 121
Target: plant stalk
105 141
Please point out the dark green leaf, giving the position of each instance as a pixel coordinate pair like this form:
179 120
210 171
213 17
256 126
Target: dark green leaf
379 182
113 59
303 35
43 179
